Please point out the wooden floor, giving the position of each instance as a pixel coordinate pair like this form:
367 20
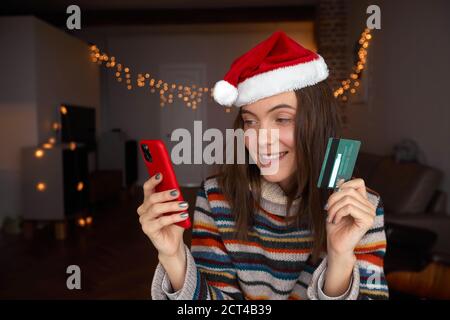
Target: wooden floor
431 283
117 260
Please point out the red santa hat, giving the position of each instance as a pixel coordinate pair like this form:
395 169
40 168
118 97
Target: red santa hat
276 65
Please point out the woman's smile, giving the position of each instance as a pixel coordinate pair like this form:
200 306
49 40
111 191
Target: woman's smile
267 159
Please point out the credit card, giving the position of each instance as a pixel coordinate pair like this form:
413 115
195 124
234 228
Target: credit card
339 162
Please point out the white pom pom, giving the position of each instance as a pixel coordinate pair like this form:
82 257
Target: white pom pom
225 93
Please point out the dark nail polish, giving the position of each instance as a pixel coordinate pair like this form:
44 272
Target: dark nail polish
183 204
184 215
174 193
158 176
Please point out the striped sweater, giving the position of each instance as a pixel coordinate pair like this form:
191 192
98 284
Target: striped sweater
275 261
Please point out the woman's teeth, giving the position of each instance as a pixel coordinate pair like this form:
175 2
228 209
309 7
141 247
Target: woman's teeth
270 157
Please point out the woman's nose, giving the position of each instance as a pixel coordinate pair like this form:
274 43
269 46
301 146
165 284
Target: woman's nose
268 140
268 135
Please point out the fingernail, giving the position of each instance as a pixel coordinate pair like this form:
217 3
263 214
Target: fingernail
174 192
157 176
326 206
183 204
184 215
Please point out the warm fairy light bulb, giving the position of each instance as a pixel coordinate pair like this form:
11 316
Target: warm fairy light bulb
55 126
80 186
41 186
47 146
127 69
63 110
88 220
72 146
52 140
81 222
39 153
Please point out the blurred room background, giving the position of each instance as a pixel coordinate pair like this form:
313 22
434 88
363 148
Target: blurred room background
75 103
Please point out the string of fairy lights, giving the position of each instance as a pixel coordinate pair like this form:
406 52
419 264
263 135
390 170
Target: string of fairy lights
352 83
190 95
39 153
193 95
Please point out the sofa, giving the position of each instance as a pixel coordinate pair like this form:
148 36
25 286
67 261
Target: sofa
416 218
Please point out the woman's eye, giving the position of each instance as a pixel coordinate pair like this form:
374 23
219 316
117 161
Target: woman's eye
283 120
249 122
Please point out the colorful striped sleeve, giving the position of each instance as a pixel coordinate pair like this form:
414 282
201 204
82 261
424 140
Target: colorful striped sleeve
210 273
370 254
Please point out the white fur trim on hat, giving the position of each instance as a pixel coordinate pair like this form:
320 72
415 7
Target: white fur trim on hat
279 80
224 93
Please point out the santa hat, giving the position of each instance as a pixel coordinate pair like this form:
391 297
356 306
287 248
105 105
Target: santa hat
276 65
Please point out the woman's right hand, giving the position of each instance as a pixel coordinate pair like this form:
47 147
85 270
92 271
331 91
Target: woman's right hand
166 236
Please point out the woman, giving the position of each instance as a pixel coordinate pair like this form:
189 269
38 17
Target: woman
259 235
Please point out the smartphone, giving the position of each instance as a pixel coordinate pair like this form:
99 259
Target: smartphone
156 160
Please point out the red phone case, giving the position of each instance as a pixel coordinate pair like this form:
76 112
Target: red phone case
161 163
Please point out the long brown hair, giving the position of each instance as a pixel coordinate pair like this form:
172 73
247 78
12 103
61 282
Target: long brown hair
316 120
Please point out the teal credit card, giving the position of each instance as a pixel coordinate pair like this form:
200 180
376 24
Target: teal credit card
339 162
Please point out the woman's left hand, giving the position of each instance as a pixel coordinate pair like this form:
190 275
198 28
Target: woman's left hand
350 216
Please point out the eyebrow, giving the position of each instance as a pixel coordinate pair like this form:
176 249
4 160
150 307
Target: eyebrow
271 109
